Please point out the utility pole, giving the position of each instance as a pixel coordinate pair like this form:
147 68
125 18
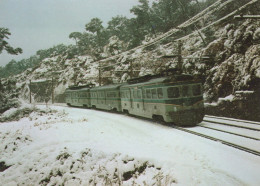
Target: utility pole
131 69
179 66
99 74
52 90
30 86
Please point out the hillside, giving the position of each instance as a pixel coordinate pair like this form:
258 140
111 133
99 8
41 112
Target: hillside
224 52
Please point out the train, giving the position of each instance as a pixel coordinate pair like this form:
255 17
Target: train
175 99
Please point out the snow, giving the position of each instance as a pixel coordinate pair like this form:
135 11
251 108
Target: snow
249 133
74 146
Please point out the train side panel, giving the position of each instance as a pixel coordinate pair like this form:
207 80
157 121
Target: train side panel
178 103
78 97
106 98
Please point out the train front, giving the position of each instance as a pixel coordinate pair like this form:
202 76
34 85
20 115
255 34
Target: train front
188 106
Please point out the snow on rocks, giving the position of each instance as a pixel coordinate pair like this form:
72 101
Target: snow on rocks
257 34
35 154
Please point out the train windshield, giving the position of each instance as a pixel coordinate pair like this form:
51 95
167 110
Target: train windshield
196 90
185 91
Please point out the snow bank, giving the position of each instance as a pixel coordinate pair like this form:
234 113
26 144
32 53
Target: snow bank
85 147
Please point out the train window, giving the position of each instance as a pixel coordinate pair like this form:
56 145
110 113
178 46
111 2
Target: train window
154 94
173 92
160 93
111 94
148 93
144 95
196 90
139 94
135 93
185 91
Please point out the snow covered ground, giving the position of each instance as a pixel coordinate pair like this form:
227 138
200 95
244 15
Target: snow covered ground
74 146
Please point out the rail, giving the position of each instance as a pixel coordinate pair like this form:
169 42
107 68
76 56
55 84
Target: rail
245 149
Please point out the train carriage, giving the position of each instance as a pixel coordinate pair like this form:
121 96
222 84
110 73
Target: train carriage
78 96
176 99
106 97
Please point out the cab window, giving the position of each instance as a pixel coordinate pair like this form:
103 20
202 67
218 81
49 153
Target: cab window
196 90
185 91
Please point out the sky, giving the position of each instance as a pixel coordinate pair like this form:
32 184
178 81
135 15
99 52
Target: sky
41 24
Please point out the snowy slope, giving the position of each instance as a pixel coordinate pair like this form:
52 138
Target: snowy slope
75 146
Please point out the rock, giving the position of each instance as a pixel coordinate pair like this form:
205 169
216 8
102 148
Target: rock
256 35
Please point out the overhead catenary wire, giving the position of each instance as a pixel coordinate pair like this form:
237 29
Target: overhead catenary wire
210 10
213 8
220 20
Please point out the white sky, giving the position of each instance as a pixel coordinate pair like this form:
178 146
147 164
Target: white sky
41 24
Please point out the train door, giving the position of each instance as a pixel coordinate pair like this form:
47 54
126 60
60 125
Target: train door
131 97
105 97
143 97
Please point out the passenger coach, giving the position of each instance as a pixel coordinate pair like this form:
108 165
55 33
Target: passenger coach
106 97
78 96
176 99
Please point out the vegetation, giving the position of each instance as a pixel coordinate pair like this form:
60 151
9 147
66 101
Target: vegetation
4 45
160 17
149 21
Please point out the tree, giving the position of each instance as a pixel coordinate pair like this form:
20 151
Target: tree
76 36
4 33
142 13
118 26
94 26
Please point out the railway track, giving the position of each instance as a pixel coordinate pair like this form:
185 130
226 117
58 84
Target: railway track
232 119
249 137
239 124
245 149
212 123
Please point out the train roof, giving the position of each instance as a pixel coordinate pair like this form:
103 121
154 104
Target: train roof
79 88
112 86
154 80
147 80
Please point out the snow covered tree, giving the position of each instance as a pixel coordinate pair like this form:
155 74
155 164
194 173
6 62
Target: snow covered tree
4 45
